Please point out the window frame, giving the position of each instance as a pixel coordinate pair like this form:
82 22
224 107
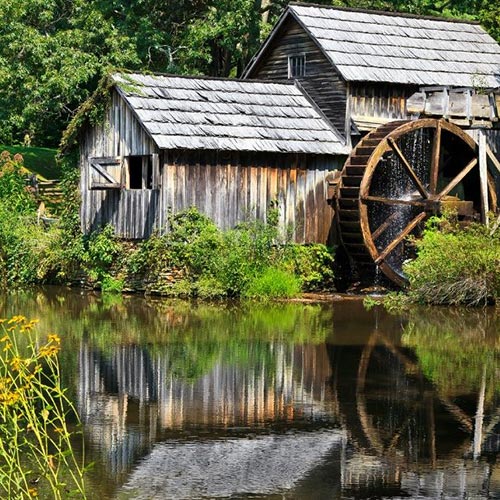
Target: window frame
148 181
297 61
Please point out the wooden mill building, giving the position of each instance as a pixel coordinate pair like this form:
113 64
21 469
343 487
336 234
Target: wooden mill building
322 79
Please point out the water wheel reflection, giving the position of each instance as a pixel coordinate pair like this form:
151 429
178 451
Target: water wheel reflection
411 412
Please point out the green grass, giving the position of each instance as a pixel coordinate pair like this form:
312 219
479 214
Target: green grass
41 161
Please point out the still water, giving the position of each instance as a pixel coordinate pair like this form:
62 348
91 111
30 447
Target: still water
315 401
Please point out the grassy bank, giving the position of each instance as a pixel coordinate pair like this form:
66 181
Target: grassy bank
40 161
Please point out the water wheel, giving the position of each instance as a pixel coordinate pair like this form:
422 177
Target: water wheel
395 178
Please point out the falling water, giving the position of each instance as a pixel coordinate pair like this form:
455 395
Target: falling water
391 181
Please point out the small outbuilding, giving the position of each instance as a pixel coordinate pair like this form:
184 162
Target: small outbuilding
229 147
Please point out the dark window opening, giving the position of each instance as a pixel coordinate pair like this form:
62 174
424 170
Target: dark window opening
296 66
140 172
135 172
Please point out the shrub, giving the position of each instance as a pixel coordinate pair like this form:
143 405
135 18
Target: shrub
454 265
14 191
112 285
313 263
193 239
217 263
29 253
36 454
102 251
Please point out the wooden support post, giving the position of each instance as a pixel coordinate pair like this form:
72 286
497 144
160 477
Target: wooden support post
483 177
493 158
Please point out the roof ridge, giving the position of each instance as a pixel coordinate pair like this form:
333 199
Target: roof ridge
386 13
203 77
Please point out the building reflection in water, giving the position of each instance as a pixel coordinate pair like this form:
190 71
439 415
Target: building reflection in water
363 415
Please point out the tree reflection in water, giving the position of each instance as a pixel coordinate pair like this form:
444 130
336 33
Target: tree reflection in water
323 401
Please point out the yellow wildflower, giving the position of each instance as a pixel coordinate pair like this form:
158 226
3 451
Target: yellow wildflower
29 325
54 338
16 363
9 398
17 319
4 338
48 350
8 345
33 492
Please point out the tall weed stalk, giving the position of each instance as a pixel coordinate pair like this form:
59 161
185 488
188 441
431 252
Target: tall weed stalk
36 452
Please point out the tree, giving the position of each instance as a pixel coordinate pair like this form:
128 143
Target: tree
51 57
54 52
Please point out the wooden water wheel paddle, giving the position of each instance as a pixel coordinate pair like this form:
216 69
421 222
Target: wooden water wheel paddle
395 178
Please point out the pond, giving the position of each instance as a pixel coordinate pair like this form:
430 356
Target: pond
297 401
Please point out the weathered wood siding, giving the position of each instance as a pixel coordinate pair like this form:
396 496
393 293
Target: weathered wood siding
231 187
374 104
131 211
325 86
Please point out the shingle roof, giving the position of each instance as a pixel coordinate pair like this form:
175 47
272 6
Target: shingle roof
383 47
232 115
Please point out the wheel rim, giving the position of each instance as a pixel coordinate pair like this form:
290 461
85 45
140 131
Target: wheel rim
395 178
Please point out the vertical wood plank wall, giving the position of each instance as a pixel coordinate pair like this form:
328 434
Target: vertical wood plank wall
379 101
133 211
325 86
230 188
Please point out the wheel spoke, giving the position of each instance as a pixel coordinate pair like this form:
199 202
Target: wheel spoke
458 178
404 233
408 168
384 226
394 201
436 156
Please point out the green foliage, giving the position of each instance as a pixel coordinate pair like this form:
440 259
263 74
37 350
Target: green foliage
53 54
193 239
313 263
102 250
221 38
229 263
152 255
111 285
51 58
28 251
36 454
273 283
370 302
91 111
455 265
